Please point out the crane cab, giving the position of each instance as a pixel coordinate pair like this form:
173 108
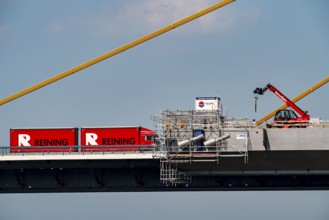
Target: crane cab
285 114
287 118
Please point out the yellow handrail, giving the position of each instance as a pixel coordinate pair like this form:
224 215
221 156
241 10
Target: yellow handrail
297 98
115 51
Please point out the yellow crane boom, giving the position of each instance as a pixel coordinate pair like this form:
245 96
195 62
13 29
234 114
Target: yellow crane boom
116 51
297 98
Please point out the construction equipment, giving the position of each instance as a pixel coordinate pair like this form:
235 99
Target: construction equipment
284 118
296 99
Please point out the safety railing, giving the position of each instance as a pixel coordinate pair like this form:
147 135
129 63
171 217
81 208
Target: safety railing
80 150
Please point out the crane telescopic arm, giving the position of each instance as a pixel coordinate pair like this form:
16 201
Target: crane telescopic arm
260 91
116 51
295 99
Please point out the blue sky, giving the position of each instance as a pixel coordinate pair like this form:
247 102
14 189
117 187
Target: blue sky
276 205
228 54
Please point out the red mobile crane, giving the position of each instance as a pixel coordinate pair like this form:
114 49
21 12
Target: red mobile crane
285 118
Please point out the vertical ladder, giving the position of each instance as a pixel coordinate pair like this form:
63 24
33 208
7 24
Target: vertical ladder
170 176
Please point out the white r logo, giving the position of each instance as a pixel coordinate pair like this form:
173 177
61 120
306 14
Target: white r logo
23 140
91 139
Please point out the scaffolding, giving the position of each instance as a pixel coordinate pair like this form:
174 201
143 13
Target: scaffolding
189 136
175 126
171 176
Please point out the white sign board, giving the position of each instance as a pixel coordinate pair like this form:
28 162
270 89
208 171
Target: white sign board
207 103
241 136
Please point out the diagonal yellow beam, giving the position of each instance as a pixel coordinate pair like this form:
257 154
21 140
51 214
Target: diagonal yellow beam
115 51
296 99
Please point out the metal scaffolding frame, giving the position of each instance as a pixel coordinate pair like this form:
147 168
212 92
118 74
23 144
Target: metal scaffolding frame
177 136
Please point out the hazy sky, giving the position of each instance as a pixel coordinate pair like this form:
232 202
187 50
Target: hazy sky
276 205
228 54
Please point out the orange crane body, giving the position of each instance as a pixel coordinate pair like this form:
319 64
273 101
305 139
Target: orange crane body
295 99
285 117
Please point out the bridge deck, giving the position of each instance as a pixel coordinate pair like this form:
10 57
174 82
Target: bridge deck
141 172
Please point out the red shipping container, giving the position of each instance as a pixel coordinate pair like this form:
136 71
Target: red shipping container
116 138
43 139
